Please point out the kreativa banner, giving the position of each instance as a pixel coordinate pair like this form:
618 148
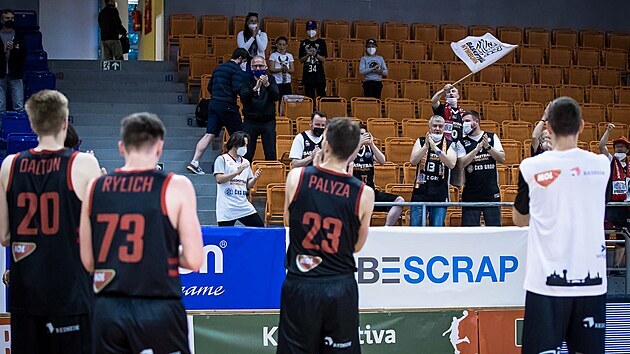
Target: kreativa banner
413 267
480 52
243 269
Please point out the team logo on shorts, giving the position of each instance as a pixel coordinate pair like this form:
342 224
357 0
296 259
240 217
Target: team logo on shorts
22 250
307 263
102 277
546 178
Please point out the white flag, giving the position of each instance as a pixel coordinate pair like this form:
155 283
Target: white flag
480 52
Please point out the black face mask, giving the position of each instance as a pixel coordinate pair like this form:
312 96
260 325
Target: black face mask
318 131
8 24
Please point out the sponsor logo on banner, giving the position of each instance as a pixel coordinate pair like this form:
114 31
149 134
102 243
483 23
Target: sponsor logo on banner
102 277
546 178
22 250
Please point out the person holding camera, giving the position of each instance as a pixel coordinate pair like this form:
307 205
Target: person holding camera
259 99
281 65
313 54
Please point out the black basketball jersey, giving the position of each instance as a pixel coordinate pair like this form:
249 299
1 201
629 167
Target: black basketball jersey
134 243
364 165
47 277
481 175
323 223
431 184
309 146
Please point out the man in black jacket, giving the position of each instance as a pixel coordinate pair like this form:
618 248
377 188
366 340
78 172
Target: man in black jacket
111 28
12 59
259 109
224 87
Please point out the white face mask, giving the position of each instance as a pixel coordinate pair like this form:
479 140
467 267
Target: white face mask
371 51
620 155
437 137
252 26
311 33
241 151
546 146
467 128
452 101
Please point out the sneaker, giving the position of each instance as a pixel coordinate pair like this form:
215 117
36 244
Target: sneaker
195 169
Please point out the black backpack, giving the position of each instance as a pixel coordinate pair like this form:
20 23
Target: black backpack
201 112
124 42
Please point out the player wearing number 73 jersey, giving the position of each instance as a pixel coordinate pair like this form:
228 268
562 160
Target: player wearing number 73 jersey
133 222
328 212
40 202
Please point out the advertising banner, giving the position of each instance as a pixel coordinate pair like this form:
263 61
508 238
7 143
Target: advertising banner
438 267
243 269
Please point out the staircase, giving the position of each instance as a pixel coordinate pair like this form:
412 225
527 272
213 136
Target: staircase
100 99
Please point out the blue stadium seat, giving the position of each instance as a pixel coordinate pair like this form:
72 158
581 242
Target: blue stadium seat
33 41
36 61
20 142
37 81
26 20
14 123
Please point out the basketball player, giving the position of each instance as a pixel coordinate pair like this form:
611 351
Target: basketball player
561 196
328 212
42 189
133 223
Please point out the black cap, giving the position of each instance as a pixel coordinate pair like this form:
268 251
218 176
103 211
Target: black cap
371 41
240 53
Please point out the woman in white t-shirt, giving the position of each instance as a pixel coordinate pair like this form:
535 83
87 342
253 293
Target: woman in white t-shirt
281 65
234 178
252 38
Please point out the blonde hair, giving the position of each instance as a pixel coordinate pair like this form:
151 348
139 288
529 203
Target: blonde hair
47 111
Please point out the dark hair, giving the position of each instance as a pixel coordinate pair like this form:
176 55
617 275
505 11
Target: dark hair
240 53
343 135
282 38
363 126
107 2
141 130
72 138
237 140
247 33
473 113
7 11
319 113
564 116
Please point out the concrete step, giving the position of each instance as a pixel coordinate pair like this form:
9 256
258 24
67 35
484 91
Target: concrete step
95 65
207 217
120 76
114 131
124 109
97 143
206 190
178 167
170 121
127 97
167 155
120 86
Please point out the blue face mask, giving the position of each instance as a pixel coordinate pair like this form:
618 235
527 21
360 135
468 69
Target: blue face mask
259 73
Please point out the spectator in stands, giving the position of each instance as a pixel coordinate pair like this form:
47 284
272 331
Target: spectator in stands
111 29
234 179
313 54
541 140
259 109
483 152
308 144
12 60
252 38
450 111
373 68
224 86
434 156
281 65
363 169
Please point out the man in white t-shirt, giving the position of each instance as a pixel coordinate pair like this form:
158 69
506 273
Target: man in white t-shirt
561 196
307 144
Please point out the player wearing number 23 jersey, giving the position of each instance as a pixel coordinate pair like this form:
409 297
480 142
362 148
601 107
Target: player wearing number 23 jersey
49 291
328 213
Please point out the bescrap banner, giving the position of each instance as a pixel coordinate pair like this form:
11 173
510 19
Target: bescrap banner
481 52
435 267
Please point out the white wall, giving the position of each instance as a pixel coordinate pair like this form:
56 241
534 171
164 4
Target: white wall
69 28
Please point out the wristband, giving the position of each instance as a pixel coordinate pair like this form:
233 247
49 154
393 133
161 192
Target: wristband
439 152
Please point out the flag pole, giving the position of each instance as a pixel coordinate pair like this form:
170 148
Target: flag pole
462 79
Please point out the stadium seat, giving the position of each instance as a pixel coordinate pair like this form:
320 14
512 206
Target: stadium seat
351 48
190 44
276 27
587 57
574 91
426 32
333 106
497 111
223 45
272 172
388 173
25 20
415 89
337 68
33 41
593 146
430 70
283 146
294 109
382 128
387 49
366 29
441 51
516 130
480 30
589 133
530 112
608 76
539 93
179 24
349 88
503 174
506 217
302 124
20 142
511 35
284 126
456 71
468 105
508 192
579 75
409 172
509 58
592 38
604 95
414 128
390 89
200 65
559 55
399 69
36 61
565 37
213 25
593 112
238 23
520 74
38 80
299 26
336 29
379 218
396 31
619 113
401 189
205 80
453 32
398 150
274 205
537 36
622 95
618 40
615 58
15 123
365 107
413 50
513 151
550 75
619 129
454 218
493 74
425 109
478 91
531 54
509 92
400 108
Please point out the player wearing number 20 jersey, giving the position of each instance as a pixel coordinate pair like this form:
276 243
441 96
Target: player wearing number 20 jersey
328 213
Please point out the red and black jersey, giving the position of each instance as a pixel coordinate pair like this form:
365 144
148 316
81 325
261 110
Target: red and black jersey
47 277
324 223
136 248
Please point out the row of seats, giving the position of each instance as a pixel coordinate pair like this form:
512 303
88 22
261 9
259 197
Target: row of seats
336 29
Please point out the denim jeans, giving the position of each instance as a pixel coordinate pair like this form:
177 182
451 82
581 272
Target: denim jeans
16 89
436 216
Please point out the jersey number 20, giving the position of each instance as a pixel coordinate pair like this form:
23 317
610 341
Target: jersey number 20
134 223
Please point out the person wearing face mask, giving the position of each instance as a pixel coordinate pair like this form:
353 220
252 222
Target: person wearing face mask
111 29
483 152
307 145
12 58
281 65
435 156
234 179
224 87
373 68
312 54
450 110
259 109
252 38
363 169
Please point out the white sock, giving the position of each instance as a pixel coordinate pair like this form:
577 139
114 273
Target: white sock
194 163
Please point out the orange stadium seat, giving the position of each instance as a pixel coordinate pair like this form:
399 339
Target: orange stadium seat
601 94
622 94
619 113
413 50
337 68
401 189
520 74
608 76
212 25
426 32
414 128
513 151
579 75
493 74
478 91
294 109
531 54
365 107
238 23
274 205
593 112
382 128
396 31
179 24
205 80
283 147
592 38
223 45
415 89
351 48
430 70
398 150
511 35
619 130
302 124
589 133
539 93
200 65
509 92
559 55
538 36
504 174
425 109
409 172
508 192
516 130
276 27
618 40
480 30
497 110
488 125
468 105
529 111
453 32
441 51
386 49
190 44
333 106
574 91
284 126
299 26
390 89
399 69
349 88
366 29
550 75
389 173
565 37
336 29
273 172
456 71
615 58
587 57
400 108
